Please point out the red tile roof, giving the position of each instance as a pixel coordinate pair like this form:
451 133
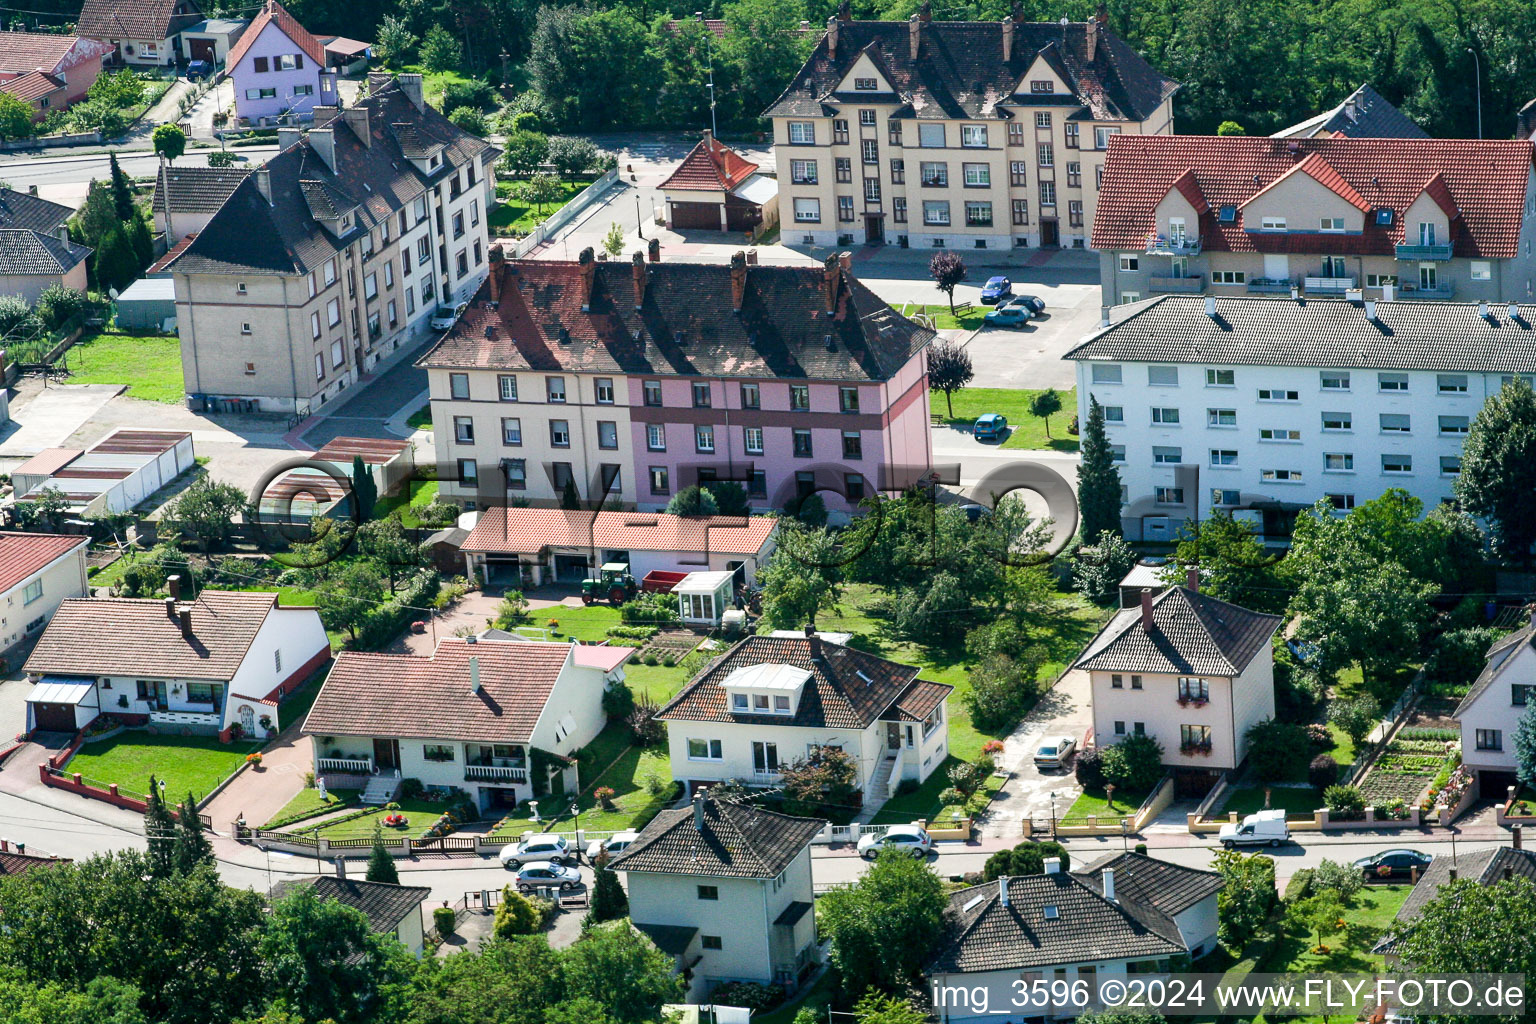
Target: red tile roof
33 85
1318 169
1190 190
22 554
1484 180
19 863
136 19
528 531
45 51
48 462
276 13
710 167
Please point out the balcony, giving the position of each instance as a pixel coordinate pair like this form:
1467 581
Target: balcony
495 773
186 718
1176 245
1191 284
1315 285
346 765
1442 290
1424 252
1269 286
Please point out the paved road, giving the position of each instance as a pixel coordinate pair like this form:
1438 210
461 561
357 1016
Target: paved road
23 170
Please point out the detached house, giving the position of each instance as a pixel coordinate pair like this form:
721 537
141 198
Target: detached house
279 70
146 32
726 889
38 572
1496 700
770 701
33 261
1364 114
500 719
1189 670
50 71
716 189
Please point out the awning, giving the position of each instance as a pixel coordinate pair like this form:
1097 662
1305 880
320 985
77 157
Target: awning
61 690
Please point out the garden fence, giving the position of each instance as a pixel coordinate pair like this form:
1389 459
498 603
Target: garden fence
567 213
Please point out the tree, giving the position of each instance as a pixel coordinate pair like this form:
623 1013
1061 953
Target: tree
141 241
119 88
1135 763
386 542
207 510
1027 858
1322 914
1344 879
621 970
802 578
117 265
949 370
1233 565
594 68
570 500
349 597
393 41
581 1010
1355 716
1230 128
808 510
97 217
1525 747
1098 570
479 987
1002 688
1498 470
98 116
122 191
824 778
693 500
515 915
1248 893
102 1001
539 190
468 119
525 151
883 928
321 960
879 1008
192 846
571 156
365 490
169 142
1472 928
608 900
613 241
730 498
1044 405
947 268
440 50
381 866
1098 480
159 832
15 118
1277 750
763 48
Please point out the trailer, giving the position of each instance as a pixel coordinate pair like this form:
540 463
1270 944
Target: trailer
661 581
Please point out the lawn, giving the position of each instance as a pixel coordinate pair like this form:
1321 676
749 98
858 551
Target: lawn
412 498
943 319
150 366
308 805
301 700
1297 803
419 816
185 764
609 760
1094 801
1368 914
421 419
513 216
1024 430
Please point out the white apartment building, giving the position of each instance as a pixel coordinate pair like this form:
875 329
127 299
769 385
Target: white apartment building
956 134
38 572
1263 406
330 259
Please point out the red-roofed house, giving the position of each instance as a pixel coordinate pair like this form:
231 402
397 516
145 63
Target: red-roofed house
279 70
52 72
716 189
38 571
468 717
1398 218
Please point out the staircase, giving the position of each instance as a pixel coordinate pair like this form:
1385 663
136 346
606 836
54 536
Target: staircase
880 783
381 789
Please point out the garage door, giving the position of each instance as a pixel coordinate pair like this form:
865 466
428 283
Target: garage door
54 717
201 49
741 217
699 216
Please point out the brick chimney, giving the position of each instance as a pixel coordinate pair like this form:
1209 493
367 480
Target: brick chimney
829 274
1192 578
186 621
814 640
357 120
588 266
1146 609
914 35
1516 836
738 281
498 258
832 38
170 608
173 584
1007 40
639 273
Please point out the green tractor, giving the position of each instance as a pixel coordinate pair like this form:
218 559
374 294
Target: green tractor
613 582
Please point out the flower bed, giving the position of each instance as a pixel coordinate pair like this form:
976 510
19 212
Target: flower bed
1405 769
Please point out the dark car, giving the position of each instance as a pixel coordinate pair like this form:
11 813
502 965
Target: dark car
1033 303
1390 863
995 290
198 69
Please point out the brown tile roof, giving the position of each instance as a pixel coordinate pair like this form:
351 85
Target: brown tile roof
918 702
710 167
383 903
406 696
134 636
20 863
528 531
1167 887
32 85
848 689
734 841
275 13
1484 181
1485 867
197 189
21 52
374 450
22 554
163 264
687 325
1191 633
136 19
20 210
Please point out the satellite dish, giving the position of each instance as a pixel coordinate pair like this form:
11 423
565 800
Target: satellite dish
1064 21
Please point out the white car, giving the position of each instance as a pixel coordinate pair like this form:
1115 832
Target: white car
547 847
1266 828
446 316
614 844
911 838
1053 753
542 874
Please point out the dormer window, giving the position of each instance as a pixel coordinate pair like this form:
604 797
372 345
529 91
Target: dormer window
1039 86
432 161
740 702
760 702
866 84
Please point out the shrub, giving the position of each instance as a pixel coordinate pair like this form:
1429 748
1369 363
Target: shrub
656 784
411 789
907 786
1344 803
57 305
443 919
473 94
643 725
753 995
1322 772
1027 858
1003 688
467 119
1458 655
1277 750
618 700
1090 768
221 158
1098 569
1135 763
513 610
516 914
1345 879
650 609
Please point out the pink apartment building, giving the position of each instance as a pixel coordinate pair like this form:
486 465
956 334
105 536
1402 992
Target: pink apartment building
279 69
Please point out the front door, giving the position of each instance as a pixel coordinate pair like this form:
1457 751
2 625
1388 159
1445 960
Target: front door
765 757
874 229
386 754
1050 235
893 735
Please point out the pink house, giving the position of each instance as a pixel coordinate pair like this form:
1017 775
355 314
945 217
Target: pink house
279 70
52 72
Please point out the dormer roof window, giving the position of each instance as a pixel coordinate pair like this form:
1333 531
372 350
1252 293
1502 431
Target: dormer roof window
765 689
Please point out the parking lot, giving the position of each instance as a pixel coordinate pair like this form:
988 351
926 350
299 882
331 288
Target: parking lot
1030 356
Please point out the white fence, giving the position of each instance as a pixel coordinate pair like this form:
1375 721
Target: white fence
567 213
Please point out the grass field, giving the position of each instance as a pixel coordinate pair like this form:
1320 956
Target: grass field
193 764
308 804
517 217
1093 801
1297 803
1368 913
421 419
419 815
943 319
416 495
1024 429
150 366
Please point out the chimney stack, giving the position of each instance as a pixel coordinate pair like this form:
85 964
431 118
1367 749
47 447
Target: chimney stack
357 120
1514 311
31 190
1192 578
1109 873
814 640
5 845
1453 873
829 274
1517 836
832 37
698 809
1146 609
474 674
1002 891
1053 865
186 622
170 608
498 258
639 274
914 35
1210 306
738 281
324 113
173 584
1093 37
341 868
1007 40
588 266
378 80
287 136
1370 309
323 142
411 86
263 178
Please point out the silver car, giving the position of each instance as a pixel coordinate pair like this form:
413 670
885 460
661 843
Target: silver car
544 875
912 839
1053 753
612 846
546 847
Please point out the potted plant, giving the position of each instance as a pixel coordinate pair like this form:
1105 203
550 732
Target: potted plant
604 795
254 760
443 919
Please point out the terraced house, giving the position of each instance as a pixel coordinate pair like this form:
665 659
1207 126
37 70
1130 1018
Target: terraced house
958 134
330 259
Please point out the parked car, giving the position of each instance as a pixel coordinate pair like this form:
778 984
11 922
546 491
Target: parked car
198 69
1008 316
1266 828
1033 303
1053 753
991 426
541 874
995 290
446 316
614 844
913 839
1386 863
547 847
974 511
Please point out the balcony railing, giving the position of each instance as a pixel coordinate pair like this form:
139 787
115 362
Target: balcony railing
346 765
1269 285
1189 284
1176 245
1328 284
1424 252
1442 290
186 717
495 773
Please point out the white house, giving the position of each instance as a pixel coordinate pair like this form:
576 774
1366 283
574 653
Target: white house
726 889
219 663
1192 671
1263 406
38 571
475 716
1493 704
391 909
1066 927
770 701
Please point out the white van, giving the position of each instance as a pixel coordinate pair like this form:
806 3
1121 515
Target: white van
1263 828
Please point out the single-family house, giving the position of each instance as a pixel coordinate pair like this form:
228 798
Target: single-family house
32 261
1191 671
49 70
725 888
391 909
216 664
143 32
1493 704
27 211
211 39
1364 114
1056 926
186 198
38 572
279 70
717 189
498 719
1185 895
1485 867
770 701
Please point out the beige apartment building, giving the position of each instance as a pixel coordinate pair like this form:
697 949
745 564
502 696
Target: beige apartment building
330 260
958 134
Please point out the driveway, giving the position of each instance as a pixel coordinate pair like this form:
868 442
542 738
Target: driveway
474 610
45 417
258 796
1066 710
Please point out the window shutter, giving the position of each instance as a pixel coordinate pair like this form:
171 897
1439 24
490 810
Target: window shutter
259 64
298 60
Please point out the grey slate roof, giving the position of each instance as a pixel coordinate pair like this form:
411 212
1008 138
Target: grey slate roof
1493 670
1191 633
671 939
1364 114
197 189
20 210
960 71
1325 333
1087 927
385 904
1485 867
24 251
1167 887
735 841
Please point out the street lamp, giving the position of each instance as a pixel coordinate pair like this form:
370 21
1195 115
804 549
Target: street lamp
639 220
1053 815
1477 71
